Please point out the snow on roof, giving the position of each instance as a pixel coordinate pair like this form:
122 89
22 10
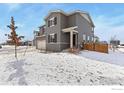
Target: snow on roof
85 16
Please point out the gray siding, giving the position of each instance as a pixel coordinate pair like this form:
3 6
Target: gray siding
53 29
83 28
72 20
65 37
65 23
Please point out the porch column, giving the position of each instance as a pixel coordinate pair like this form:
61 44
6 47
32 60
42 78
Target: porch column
71 39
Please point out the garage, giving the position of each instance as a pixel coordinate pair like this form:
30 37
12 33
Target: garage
41 43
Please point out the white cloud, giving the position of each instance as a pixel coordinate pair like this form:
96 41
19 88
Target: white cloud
12 7
106 27
20 25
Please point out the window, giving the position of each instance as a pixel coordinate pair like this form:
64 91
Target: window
88 38
52 22
55 20
52 38
92 38
84 37
48 23
92 29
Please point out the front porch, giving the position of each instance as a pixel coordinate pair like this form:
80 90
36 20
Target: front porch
73 36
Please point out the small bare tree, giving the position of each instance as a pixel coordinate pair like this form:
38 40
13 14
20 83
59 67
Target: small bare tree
15 39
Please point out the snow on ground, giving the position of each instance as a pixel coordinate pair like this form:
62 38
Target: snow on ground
37 68
116 57
10 49
121 49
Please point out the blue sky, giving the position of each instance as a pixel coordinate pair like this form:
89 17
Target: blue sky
108 18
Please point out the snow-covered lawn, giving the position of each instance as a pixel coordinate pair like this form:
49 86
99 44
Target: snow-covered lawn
37 68
121 49
116 57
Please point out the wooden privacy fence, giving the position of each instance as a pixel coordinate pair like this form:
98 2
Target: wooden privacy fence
99 47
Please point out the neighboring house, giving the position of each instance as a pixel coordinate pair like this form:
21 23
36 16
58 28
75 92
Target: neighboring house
103 42
27 43
40 39
115 42
67 30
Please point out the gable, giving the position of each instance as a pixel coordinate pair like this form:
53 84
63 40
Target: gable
83 14
52 13
88 18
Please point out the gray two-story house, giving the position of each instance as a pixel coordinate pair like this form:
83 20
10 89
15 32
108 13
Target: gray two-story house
67 30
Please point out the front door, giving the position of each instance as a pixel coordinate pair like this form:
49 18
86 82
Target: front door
75 38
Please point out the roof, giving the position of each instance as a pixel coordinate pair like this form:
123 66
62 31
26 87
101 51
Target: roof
42 26
82 13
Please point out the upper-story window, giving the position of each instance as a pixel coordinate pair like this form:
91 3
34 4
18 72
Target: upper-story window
92 29
52 21
42 30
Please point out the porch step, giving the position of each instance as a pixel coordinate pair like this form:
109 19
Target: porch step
72 50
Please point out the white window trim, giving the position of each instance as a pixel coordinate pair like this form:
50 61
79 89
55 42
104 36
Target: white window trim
52 35
52 25
52 19
91 38
84 37
88 38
